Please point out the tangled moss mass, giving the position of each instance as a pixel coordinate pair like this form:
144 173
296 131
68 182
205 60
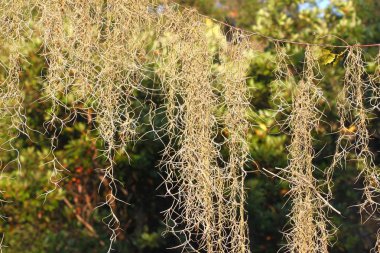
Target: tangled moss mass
148 126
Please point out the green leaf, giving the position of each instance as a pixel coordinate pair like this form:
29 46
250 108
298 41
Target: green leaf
325 56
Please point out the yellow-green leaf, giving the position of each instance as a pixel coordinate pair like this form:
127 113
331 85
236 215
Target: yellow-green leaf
326 56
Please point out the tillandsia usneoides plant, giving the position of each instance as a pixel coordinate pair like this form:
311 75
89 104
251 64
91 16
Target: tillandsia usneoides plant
353 133
56 83
234 66
122 50
284 82
95 54
309 230
208 208
192 166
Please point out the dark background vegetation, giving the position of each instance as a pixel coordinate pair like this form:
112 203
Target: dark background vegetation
67 221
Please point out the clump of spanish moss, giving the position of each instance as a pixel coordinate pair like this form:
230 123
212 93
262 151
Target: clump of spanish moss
282 85
208 208
121 50
353 133
95 54
56 86
192 168
307 220
309 230
234 92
